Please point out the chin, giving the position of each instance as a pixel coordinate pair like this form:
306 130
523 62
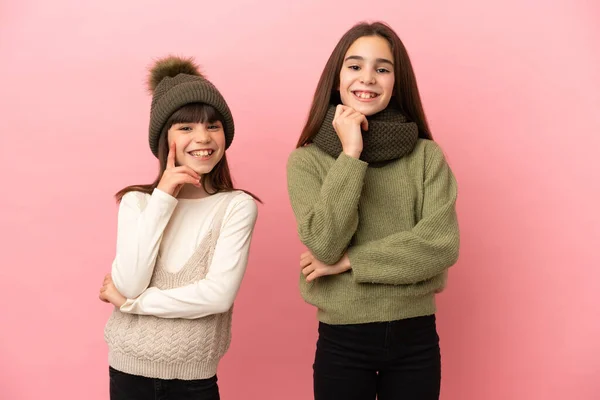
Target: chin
203 171
368 110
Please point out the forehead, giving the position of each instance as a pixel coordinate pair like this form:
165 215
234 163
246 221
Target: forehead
370 47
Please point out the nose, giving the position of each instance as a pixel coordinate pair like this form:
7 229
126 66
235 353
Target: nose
367 76
202 136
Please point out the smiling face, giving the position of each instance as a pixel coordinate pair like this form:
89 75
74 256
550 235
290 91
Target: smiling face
199 137
367 75
199 145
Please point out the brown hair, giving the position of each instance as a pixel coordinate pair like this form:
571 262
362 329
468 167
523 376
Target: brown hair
219 177
406 96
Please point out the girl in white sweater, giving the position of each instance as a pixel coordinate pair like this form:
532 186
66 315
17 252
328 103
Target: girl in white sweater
182 247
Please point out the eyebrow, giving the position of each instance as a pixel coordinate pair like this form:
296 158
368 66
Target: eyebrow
359 58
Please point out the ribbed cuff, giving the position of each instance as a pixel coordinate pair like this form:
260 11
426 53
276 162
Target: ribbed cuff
377 310
153 369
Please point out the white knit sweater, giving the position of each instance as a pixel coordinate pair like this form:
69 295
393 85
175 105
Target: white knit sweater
180 263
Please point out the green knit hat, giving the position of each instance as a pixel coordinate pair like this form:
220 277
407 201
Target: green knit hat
175 82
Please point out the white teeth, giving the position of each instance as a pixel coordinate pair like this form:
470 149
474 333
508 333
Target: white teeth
201 153
365 95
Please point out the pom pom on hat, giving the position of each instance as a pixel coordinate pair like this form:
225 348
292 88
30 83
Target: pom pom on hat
171 66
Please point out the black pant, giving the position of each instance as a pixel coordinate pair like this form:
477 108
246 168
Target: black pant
133 387
398 360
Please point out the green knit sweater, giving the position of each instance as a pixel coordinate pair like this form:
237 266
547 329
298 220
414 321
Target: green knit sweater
396 221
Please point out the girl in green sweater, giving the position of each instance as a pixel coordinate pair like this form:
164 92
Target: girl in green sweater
374 201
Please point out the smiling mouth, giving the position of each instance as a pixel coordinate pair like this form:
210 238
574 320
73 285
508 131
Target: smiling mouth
365 95
202 154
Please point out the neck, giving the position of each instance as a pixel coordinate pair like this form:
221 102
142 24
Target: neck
193 192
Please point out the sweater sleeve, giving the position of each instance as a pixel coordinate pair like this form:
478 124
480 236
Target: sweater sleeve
215 293
326 208
426 250
139 232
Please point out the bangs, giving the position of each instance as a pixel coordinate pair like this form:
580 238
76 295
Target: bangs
198 113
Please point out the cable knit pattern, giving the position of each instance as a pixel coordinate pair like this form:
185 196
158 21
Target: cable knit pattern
172 348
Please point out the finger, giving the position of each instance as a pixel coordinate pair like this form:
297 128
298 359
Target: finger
347 112
314 275
359 119
182 173
355 114
187 170
307 270
171 156
305 262
182 178
364 124
308 259
305 255
339 110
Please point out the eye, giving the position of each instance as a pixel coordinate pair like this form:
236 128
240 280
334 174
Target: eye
185 128
383 70
354 67
213 127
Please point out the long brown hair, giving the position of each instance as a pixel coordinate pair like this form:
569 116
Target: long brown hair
219 177
406 96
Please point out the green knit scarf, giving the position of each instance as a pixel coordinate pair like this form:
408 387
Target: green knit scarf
390 136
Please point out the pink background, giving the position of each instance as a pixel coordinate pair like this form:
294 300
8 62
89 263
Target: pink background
511 89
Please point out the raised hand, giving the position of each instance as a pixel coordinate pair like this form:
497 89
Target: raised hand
174 177
347 123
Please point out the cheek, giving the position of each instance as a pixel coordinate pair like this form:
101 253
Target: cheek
181 143
178 138
220 140
344 83
345 97
389 86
